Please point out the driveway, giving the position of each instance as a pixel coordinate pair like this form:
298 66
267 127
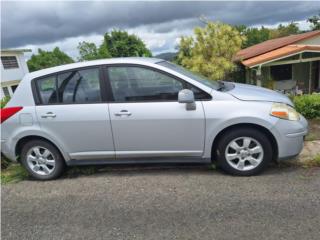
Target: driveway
180 202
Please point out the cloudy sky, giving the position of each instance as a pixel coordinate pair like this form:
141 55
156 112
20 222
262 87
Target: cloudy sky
45 24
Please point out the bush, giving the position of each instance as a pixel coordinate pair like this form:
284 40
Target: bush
308 105
4 101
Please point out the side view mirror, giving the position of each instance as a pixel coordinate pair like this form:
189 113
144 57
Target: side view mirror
187 96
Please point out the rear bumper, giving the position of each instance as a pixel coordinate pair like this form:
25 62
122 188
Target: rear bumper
290 137
8 151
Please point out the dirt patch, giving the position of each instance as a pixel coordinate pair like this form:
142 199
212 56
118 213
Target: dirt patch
310 152
314 130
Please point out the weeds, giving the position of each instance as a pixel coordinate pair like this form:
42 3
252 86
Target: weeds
14 173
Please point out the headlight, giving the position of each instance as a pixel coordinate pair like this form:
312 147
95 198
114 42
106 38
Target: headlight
284 111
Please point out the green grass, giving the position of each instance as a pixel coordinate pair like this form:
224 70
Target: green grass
314 162
14 173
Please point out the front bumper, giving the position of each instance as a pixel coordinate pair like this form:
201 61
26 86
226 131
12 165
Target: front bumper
290 136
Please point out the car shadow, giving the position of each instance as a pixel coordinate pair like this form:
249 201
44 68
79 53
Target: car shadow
162 169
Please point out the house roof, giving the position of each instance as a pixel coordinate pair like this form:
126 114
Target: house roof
273 44
279 53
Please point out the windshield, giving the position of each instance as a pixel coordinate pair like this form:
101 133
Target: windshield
183 71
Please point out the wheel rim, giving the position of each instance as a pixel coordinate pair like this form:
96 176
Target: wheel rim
40 160
244 153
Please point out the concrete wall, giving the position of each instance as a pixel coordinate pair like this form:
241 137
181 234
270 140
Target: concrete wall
311 41
15 73
12 77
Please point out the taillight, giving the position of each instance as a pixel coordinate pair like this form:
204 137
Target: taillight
8 112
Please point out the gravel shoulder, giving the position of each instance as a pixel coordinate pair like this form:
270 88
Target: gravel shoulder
173 202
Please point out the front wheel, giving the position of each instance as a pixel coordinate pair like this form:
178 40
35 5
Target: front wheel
243 152
42 160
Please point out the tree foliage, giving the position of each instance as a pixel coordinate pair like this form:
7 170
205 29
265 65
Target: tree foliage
283 31
211 50
89 51
45 59
117 43
256 35
315 22
253 35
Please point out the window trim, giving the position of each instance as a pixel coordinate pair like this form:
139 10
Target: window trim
36 93
184 83
105 85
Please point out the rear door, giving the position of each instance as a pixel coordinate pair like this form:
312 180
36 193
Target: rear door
72 109
147 119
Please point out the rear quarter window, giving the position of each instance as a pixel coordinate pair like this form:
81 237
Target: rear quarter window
47 89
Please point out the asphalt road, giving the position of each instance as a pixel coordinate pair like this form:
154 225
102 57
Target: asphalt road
190 202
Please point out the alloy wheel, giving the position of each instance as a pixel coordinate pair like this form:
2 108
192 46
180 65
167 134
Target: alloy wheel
244 153
41 160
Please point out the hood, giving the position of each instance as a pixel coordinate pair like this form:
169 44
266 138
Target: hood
248 92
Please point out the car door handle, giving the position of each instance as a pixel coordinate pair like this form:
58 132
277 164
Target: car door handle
48 115
123 113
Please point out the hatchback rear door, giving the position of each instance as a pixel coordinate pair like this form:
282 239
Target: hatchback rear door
72 109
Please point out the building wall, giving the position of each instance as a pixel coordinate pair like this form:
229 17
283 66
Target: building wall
11 77
311 41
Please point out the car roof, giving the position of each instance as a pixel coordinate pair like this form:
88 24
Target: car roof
124 60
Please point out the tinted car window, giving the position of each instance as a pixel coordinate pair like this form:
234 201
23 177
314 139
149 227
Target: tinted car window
142 84
78 86
47 89
81 86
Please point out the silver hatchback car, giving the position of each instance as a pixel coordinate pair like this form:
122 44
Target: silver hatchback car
143 110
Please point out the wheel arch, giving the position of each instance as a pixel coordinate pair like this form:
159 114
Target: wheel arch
20 143
263 129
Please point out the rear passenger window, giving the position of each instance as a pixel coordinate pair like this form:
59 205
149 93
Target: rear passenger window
79 86
47 89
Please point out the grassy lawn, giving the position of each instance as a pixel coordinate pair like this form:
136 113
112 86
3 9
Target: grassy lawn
314 130
13 173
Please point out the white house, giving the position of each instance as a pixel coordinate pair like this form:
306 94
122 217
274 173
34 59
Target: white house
13 68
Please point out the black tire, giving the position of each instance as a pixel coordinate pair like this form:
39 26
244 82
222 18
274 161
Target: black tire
260 137
59 161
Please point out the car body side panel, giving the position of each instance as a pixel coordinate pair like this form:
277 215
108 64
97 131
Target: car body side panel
84 130
221 114
156 129
13 130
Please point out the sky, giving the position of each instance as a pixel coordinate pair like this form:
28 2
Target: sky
46 24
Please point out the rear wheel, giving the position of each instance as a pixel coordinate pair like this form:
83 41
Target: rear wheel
42 160
243 152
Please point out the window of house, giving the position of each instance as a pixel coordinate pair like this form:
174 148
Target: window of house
9 62
281 72
13 88
141 84
6 91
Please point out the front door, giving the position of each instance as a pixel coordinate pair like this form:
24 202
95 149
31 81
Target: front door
146 118
72 112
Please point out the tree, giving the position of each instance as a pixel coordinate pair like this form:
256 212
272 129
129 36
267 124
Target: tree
315 22
253 35
45 59
283 31
210 52
89 51
117 43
